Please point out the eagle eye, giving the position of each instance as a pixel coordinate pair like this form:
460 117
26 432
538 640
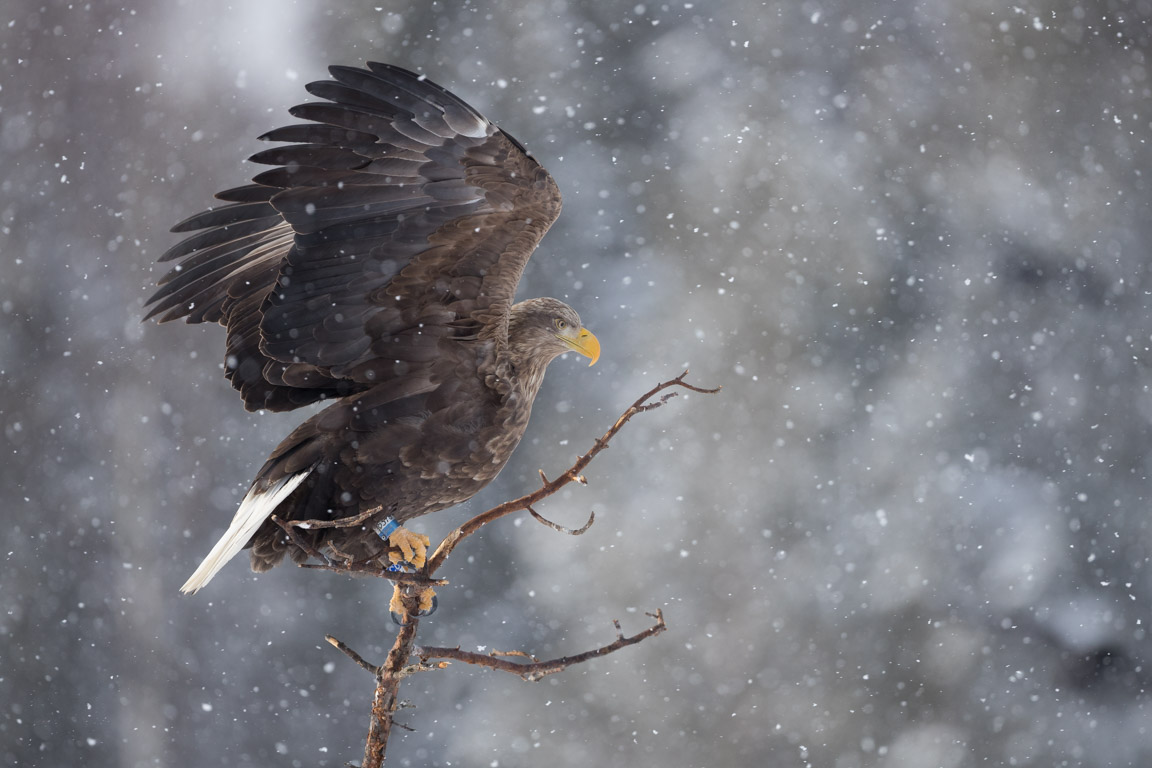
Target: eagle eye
561 325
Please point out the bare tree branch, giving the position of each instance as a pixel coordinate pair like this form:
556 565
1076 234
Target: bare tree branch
410 586
346 564
352 655
572 475
374 569
290 531
556 527
340 522
537 670
385 700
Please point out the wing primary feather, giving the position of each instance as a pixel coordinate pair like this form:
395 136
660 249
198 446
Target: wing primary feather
257 507
396 203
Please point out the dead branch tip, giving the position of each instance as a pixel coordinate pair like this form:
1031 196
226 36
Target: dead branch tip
679 382
343 648
556 527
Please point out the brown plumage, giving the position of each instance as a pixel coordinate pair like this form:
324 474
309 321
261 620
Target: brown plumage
376 265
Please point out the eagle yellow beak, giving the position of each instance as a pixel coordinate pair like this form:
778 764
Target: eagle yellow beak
586 344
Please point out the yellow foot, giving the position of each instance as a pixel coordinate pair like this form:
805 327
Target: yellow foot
413 547
396 605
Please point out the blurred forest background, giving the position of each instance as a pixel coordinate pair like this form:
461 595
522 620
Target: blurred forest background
910 238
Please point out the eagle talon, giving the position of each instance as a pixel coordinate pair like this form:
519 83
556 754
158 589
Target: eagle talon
426 607
410 549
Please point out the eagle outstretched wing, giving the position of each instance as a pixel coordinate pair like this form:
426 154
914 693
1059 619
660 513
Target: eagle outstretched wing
399 219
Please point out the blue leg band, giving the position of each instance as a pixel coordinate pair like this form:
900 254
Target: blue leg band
386 527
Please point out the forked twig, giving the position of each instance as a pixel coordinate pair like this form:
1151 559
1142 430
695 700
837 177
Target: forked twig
300 541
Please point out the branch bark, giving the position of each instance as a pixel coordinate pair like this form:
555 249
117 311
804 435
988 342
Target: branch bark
386 698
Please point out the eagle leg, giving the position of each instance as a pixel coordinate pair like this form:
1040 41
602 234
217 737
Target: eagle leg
408 552
396 608
413 547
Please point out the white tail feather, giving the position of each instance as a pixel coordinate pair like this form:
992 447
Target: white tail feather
257 507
